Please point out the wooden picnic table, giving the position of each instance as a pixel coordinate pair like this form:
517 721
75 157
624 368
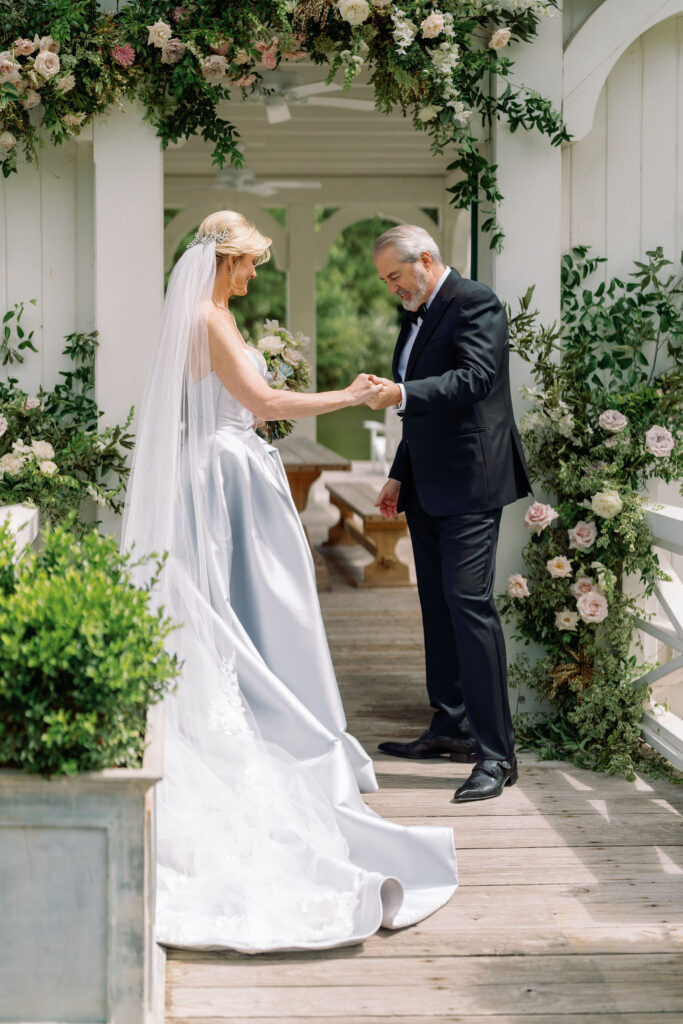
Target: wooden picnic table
304 460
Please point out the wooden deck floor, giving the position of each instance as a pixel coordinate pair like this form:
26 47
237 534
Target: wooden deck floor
570 905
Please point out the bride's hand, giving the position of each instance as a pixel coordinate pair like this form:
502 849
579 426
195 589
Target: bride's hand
361 389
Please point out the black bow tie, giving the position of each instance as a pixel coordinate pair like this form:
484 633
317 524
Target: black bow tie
413 315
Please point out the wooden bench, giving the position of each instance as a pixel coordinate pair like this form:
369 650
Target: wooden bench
378 535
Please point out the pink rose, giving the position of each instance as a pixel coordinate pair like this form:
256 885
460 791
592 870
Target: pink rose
180 14
10 71
242 57
583 535
294 55
221 47
559 567
516 586
433 25
566 620
539 516
245 80
659 442
172 51
30 99
268 59
593 607
583 585
123 55
23 47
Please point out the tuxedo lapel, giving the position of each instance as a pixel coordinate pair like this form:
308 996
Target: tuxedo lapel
405 330
434 314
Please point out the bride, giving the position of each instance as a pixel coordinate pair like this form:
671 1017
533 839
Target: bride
263 839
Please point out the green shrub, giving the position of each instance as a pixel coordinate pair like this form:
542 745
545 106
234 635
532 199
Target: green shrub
81 655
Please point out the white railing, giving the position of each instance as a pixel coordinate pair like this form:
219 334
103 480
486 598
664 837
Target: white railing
662 729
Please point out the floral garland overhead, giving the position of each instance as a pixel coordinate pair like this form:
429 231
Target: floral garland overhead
65 61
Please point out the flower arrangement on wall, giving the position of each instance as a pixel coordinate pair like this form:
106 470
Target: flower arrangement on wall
605 417
64 62
53 454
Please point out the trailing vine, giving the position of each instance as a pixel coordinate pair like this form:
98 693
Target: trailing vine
65 61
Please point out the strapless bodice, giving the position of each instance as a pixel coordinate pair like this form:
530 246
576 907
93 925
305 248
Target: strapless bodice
231 414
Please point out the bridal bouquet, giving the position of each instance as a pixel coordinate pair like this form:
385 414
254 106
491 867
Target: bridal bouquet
286 369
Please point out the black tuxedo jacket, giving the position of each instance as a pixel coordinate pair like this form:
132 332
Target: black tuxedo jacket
460 450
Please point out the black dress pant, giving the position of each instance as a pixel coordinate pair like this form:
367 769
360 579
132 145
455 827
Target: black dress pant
455 558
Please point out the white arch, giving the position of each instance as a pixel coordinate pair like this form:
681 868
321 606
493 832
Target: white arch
595 49
192 215
352 213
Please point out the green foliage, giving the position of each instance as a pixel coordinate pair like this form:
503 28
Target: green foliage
81 655
440 81
605 418
52 454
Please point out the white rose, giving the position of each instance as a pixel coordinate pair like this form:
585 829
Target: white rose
559 567
159 33
500 39
42 449
47 64
66 83
583 585
271 344
516 586
612 421
7 140
659 441
433 25
607 504
354 11
11 463
381 4
47 468
73 120
291 356
538 516
3 425
582 536
48 43
428 113
32 403
30 99
564 619
593 607
214 67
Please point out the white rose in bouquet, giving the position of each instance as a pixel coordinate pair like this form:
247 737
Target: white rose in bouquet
30 99
516 586
539 516
583 535
11 463
47 468
42 449
48 43
607 504
612 421
432 26
565 619
500 39
47 64
583 585
291 356
354 11
559 567
3 425
659 441
159 33
593 607
271 344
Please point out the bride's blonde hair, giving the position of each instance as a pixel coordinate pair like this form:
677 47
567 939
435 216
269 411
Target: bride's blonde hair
235 236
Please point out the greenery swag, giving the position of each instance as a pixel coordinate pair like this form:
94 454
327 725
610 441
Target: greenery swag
606 417
64 61
52 454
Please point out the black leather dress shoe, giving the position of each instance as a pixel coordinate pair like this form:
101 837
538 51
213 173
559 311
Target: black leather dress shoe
488 779
432 745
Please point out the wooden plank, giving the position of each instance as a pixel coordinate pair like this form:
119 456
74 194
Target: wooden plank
300 453
563 1018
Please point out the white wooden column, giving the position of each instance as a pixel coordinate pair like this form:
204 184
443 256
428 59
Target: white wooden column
128 258
301 287
530 175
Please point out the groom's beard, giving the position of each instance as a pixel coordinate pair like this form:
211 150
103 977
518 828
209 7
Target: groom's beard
421 289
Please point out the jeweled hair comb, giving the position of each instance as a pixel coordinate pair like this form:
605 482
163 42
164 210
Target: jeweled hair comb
212 236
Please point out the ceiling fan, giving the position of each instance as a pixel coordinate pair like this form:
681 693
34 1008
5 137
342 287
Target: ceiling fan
280 89
241 179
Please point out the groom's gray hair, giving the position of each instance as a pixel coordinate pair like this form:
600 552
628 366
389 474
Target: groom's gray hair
409 240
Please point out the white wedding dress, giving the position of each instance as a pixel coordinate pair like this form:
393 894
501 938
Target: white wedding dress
264 841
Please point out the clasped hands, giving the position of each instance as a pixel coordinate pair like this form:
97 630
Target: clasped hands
388 394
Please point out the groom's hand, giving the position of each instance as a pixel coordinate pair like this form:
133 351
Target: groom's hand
387 499
389 394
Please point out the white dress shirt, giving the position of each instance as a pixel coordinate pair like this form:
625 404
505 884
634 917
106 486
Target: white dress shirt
410 341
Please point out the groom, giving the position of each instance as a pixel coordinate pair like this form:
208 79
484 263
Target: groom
459 462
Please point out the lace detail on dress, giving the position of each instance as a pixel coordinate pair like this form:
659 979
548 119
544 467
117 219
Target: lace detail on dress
226 711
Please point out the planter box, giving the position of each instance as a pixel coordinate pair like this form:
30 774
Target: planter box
77 895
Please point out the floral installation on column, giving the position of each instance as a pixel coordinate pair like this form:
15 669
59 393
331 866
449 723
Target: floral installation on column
606 416
62 63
